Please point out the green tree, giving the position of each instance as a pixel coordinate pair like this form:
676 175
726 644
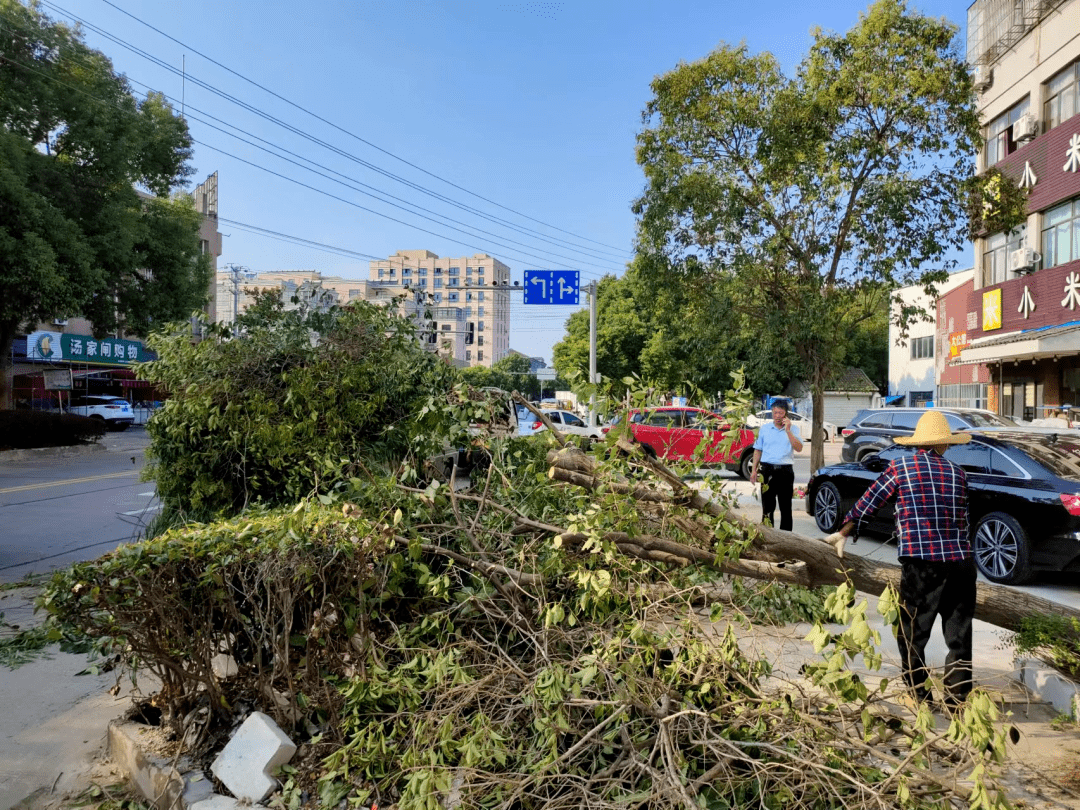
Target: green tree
76 236
272 416
805 189
621 334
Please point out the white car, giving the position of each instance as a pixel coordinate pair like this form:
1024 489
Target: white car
572 424
115 412
756 420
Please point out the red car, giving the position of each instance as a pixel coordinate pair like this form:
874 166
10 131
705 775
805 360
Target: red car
675 433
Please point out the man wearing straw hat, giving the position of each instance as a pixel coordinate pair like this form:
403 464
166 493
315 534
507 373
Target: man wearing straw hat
937 570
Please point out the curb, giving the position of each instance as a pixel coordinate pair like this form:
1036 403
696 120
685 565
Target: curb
166 784
1051 686
31 454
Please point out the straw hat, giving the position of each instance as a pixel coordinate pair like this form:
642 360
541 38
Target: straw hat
932 429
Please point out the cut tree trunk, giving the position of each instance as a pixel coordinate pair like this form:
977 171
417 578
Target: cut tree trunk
772 551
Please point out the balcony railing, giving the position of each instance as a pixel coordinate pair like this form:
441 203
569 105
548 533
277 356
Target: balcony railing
995 26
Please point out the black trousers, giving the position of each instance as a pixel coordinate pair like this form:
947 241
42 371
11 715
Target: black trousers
928 590
778 482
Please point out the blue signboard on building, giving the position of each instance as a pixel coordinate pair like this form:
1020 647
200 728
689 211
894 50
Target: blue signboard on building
552 286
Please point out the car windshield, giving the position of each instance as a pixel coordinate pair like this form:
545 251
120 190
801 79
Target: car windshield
988 420
1060 455
523 413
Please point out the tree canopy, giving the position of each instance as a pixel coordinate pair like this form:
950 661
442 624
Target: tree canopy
76 147
813 193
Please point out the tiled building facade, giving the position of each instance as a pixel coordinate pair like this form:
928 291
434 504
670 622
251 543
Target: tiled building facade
1021 316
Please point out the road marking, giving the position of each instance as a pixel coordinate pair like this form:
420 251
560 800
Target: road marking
152 508
149 494
67 481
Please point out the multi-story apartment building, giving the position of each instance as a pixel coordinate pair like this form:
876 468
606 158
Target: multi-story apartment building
1022 317
915 360
470 297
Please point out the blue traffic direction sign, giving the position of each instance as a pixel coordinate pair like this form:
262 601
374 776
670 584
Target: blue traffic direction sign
552 286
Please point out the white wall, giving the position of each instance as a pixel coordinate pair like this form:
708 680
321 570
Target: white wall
905 374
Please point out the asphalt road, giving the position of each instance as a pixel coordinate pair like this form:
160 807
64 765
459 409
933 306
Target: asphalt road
63 506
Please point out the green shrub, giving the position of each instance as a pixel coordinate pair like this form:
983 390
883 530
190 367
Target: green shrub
26 429
282 591
282 412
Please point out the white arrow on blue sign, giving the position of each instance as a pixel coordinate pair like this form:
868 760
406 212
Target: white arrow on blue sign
552 286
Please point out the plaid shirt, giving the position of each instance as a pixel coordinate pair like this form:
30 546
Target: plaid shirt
931 506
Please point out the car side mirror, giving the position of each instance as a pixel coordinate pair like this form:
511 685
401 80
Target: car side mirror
876 463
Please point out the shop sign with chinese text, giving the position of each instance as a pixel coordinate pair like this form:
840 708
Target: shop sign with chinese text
57 347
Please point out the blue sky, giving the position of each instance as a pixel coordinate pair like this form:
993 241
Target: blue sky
533 106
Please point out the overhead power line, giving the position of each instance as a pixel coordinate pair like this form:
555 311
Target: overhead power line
165 65
299 240
283 176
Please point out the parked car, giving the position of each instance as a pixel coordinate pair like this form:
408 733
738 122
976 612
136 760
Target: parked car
675 433
569 423
874 429
115 412
1023 499
756 420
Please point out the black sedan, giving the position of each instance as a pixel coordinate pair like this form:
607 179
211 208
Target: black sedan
1023 499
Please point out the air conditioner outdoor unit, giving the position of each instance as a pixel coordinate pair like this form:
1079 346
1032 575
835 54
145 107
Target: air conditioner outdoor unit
1022 260
60 322
1025 128
982 76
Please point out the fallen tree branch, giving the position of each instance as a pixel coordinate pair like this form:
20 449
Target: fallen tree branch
999 605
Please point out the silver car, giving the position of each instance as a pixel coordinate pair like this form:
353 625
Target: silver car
760 418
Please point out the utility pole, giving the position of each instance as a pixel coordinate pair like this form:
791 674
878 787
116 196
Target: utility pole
592 352
236 271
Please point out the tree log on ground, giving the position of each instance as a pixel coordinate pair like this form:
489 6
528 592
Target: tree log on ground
999 605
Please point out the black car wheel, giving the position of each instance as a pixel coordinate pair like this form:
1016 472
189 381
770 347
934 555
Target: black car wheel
827 513
1001 549
865 454
746 464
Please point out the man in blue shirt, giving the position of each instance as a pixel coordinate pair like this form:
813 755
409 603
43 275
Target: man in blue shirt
774 452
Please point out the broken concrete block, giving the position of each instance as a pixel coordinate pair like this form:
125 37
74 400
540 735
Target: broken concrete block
217 802
246 764
224 666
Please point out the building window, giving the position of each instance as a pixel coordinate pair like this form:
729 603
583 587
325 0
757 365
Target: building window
452 296
453 282
421 271
1061 234
480 326
1062 96
922 347
468 312
455 271
480 312
438 283
480 295
468 355
468 296
999 142
422 282
480 340
446 327
480 355
995 264
438 298
381 272
438 271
